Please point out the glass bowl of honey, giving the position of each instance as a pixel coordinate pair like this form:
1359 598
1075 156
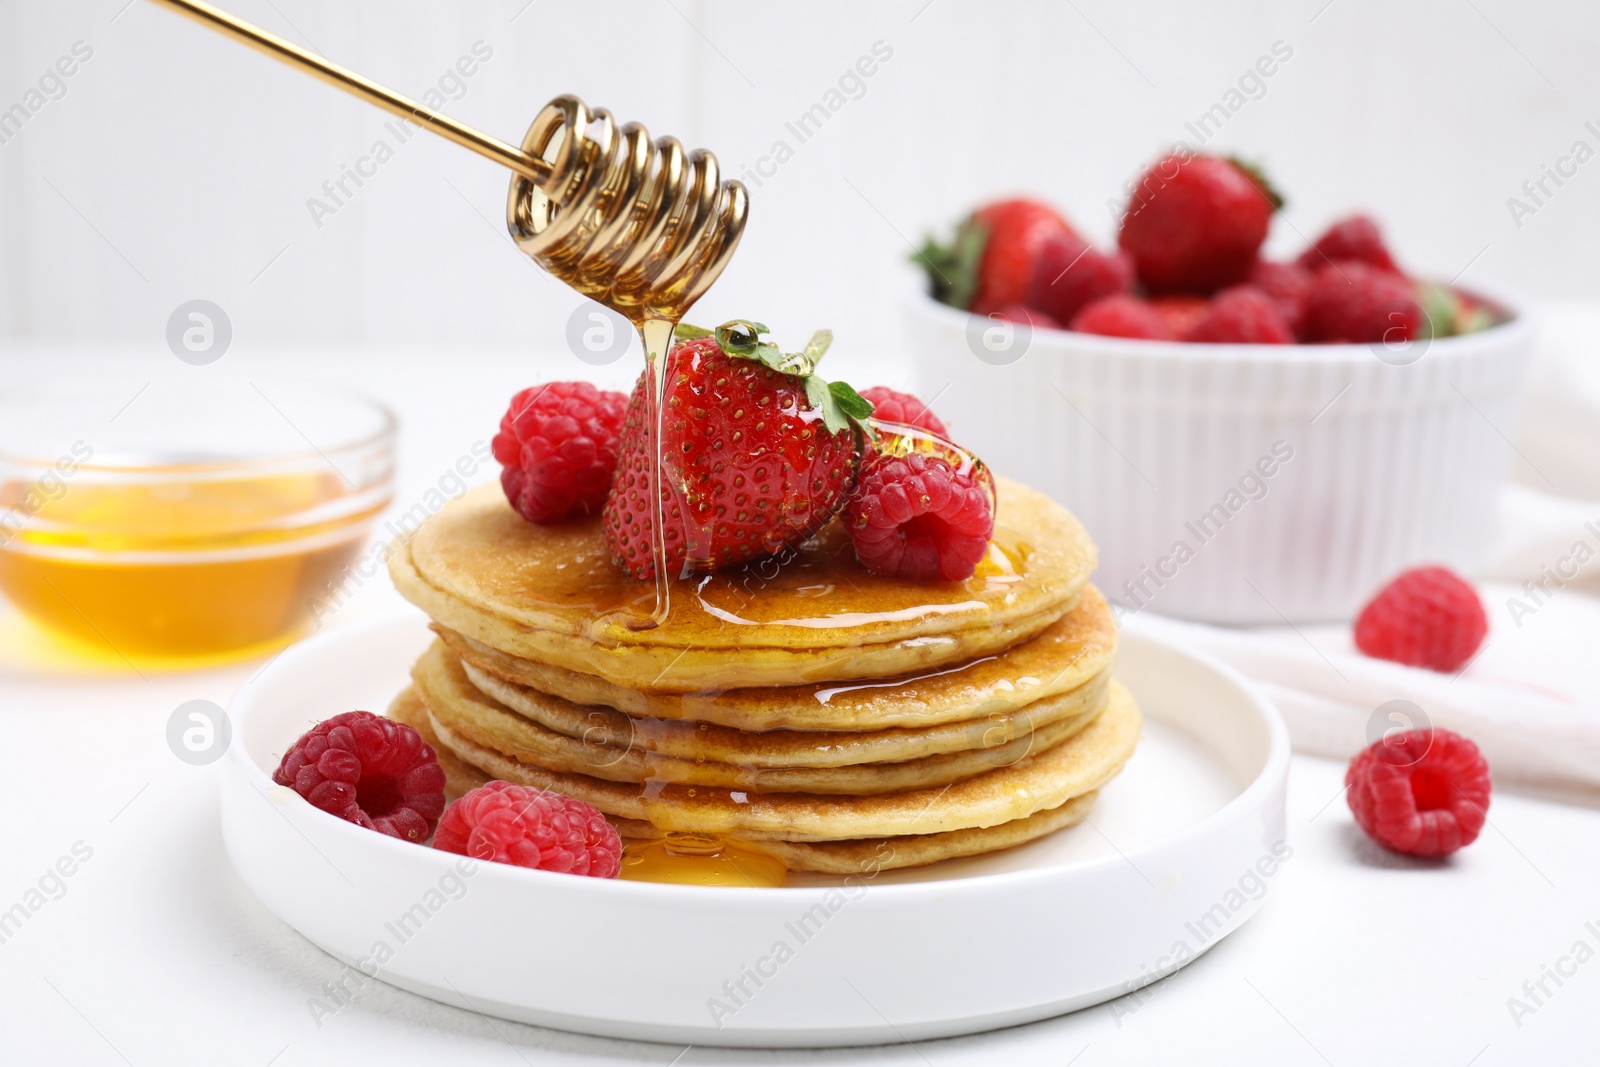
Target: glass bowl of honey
184 519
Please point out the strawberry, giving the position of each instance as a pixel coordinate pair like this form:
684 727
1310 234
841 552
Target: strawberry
1243 315
1122 315
1288 284
1353 237
1069 273
1181 312
1195 222
1354 302
758 452
988 263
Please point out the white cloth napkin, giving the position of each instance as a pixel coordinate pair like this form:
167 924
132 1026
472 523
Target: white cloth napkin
1531 698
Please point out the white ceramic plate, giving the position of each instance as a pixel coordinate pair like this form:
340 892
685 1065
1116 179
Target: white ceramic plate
1175 856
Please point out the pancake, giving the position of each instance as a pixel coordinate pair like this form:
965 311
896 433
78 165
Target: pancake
551 594
599 726
860 857
864 858
1070 652
1044 779
466 712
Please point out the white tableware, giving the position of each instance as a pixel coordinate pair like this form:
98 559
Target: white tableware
1179 851
1239 483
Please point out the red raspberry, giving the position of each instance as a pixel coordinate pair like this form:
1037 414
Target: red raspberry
1181 312
1356 302
1427 617
916 516
1243 315
891 406
368 770
557 446
528 827
1068 273
1287 283
1423 792
1021 313
1122 316
1356 237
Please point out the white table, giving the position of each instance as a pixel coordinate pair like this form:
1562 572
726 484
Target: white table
152 952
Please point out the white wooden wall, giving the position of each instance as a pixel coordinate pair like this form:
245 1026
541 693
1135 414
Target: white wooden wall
178 165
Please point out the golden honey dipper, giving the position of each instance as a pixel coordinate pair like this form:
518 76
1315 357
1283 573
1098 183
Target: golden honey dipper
639 225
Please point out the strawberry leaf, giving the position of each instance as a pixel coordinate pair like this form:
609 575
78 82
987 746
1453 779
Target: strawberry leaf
686 332
1259 177
739 337
839 405
822 400
850 402
743 339
817 347
952 268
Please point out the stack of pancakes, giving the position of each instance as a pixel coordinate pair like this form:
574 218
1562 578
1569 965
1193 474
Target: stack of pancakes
803 706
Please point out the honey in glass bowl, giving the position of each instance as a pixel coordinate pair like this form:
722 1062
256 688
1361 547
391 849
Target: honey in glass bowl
188 518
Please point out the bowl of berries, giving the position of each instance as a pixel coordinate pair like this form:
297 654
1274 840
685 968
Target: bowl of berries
1254 439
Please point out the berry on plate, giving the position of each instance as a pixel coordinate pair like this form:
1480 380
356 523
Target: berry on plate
1427 617
1243 315
1123 316
1196 222
515 824
1069 273
891 406
368 770
758 452
557 449
917 516
1422 792
1355 237
1355 302
988 263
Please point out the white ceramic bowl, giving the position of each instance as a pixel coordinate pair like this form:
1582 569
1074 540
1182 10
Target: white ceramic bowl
1239 483
1179 851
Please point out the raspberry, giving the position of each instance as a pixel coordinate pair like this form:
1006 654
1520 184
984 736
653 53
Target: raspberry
1243 315
1068 273
527 827
1356 237
1423 792
557 446
916 516
1181 312
1122 316
1427 617
368 770
1356 302
891 406
1287 283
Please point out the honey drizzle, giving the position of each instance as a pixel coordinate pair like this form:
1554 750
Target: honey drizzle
656 336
